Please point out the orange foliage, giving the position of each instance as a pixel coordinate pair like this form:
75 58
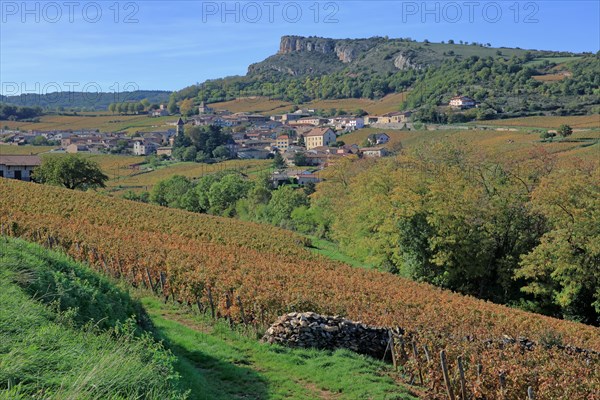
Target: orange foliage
273 273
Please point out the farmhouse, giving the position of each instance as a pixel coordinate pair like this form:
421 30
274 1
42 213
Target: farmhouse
462 102
347 123
18 167
389 118
314 121
77 148
373 152
378 138
160 112
318 137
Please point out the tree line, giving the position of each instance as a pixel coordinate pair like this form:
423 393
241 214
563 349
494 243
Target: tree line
15 113
523 233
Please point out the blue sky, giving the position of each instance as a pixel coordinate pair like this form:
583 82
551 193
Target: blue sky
172 44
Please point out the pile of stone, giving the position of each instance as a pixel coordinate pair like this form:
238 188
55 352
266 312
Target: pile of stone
310 330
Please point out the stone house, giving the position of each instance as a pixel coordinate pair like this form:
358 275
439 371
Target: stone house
18 167
318 137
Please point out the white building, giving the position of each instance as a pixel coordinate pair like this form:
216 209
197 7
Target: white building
141 148
462 102
18 167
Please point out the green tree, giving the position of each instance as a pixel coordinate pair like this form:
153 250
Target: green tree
225 192
279 162
564 269
171 192
112 107
221 152
283 202
172 106
300 159
71 171
39 141
189 154
565 131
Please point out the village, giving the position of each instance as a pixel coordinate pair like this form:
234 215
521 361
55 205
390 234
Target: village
302 139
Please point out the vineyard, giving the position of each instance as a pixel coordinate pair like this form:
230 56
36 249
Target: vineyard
253 273
576 122
104 122
267 106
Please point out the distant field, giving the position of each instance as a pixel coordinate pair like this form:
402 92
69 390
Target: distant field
256 104
516 145
580 121
556 60
103 122
24 150
140 180
549 77
267 106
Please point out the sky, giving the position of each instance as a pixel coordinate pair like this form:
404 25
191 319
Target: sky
115 46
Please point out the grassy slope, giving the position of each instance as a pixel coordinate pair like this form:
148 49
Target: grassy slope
59 354
219 363
50 350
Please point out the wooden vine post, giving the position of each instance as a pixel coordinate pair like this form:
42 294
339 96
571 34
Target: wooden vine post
211 302
463 385
416 356
446 375
393 350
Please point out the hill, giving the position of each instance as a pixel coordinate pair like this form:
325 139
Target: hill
310 56
90 101
65 332
209 259
506 82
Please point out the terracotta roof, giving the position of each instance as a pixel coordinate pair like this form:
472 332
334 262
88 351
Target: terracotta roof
20 160
317 132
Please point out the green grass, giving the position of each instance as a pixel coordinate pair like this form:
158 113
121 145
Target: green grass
216 362
556 60
47 350
332 251
66 333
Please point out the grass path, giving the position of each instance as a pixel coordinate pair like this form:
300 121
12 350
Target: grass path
217 362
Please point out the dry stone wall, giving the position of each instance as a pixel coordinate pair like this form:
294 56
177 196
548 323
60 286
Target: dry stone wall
310 330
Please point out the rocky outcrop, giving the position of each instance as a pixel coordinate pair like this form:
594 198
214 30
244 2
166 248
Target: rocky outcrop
290 44
345 50
308 329
403 62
